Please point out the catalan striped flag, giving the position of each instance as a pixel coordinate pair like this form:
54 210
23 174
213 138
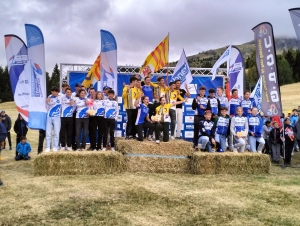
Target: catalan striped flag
94 74
157 59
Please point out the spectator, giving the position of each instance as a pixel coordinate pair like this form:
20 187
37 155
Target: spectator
42 135
3 134
288 142
266 131
20 129
276 142
7 123
297 132
23 149
294 117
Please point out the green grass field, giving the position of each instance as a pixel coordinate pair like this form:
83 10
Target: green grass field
146 198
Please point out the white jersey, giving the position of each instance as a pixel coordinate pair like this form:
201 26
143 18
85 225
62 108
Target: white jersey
54 106
81 108
111 109
66 108
99 107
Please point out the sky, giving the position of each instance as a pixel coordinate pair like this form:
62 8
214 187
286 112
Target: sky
71 28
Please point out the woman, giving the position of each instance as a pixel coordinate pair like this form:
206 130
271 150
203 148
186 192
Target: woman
20 129
239 130
164 123
289 141
99 118
82 120
142 120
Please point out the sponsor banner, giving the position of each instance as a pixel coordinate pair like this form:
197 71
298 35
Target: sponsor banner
119 118
189 119
36 67
182 71
124 126
295 16
189 108
189 126
256 94
17 58
224 58
119 126
120 100
108 66
267 69
188 134
236 71
118 133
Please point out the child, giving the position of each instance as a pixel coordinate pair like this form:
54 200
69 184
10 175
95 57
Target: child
110 116
222 124
255 131
239 130
276 142
23 148
206 132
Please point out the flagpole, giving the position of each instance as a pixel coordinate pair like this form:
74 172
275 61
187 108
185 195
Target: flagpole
167 79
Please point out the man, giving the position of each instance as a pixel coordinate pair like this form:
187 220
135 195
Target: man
234 102
130 94
222 97
199 105
206 132
213 103
255 131
78 86
63 88
105 92
294 117
148 91
160 88
53 119
247 104
7 123
171 97
179 115
2 138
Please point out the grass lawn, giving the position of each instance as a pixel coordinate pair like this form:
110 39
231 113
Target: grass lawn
146 198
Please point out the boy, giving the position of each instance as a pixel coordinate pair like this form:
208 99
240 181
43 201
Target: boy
222 124
239 130
199 105
206 132
255 131
23 148
53 119
234 102
247 104
110 116
213 103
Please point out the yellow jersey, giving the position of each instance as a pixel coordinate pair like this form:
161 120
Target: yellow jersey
172 97
164 110
161 91
130 96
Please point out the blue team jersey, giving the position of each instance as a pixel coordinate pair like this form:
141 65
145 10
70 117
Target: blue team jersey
214 105
148 92
99 107
233 104
222 125
239 123
54 106
81 108
143 111
247 105
203 101
111 109
66 108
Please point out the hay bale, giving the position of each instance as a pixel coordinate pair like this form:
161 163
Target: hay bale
176 147
78 163
230 163
157 165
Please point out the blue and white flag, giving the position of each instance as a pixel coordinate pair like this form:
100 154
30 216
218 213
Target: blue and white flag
182 71
224 58
236 71
256 94
36 67
108 62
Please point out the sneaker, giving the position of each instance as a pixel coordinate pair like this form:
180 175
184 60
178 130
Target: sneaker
95 150
150 139
47 150
10 148
55 150
78 150
127 138
112 149
69 149
103 149
62 149
172 138
157 141
259 152
234 150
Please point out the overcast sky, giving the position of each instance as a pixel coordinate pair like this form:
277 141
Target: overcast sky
71 28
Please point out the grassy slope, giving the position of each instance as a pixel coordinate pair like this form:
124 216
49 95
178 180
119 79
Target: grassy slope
148 199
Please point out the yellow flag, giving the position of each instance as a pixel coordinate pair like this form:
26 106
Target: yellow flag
94 74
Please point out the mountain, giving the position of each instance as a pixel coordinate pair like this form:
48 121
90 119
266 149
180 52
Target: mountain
206 59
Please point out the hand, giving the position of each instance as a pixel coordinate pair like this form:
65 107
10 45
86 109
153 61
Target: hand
48 100
252 133
213 141
186 99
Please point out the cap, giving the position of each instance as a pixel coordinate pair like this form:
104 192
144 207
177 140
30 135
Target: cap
2 111
106 87
78 84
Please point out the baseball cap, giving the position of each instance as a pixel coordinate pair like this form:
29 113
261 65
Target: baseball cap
78 84
106 87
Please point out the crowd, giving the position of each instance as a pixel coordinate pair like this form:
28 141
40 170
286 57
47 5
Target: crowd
151 108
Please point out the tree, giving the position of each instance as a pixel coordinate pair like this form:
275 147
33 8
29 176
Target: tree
285 72
55 77
5 87
296 67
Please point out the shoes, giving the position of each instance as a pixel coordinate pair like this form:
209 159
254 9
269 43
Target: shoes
55 150
259 152
10 148
47 150
78 150
157 141
69 149
150 139
1 183
127 138
62 149
112 149
234 150
172 138
103 149
95 150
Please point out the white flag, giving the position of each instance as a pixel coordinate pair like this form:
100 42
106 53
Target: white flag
224 58
182 71
256 94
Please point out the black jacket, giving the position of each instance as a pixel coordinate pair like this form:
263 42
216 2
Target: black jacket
274 136
20 127
6 121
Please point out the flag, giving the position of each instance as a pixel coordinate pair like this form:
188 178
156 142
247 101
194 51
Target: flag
224 58
236 71
157 59
36 68
295 16
256 94
94 74
182 71
17 57
267 69
108 66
